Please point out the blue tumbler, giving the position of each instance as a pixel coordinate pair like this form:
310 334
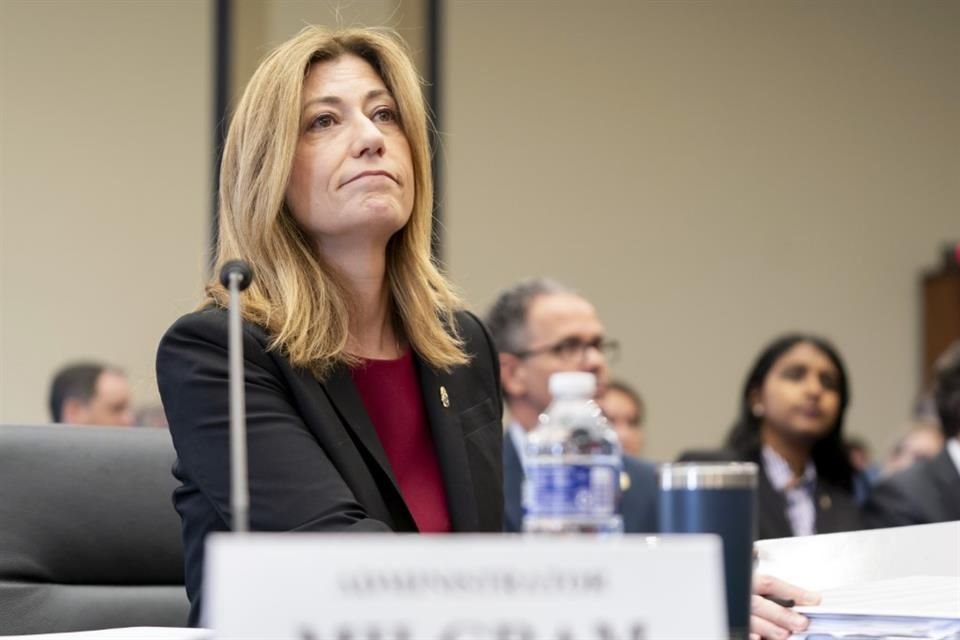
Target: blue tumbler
720 498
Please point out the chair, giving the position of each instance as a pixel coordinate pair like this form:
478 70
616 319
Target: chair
89 538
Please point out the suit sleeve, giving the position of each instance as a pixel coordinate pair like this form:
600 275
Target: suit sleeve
293 484
889 505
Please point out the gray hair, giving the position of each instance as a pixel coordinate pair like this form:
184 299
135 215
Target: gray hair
507 317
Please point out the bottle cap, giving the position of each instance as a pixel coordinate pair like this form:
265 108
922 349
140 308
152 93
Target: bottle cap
573 383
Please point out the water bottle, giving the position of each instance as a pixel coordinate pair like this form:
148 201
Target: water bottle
573 463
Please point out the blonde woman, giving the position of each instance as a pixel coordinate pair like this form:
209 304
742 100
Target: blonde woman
373 399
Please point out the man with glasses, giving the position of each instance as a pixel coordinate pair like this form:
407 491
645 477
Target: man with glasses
541 327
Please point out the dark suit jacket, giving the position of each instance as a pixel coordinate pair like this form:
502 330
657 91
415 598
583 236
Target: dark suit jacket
927 492
638 504
315 461
836 509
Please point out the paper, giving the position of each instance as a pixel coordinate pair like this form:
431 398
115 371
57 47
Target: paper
911 607
832 560
886 628
918 596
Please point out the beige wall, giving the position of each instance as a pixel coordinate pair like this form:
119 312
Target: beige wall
260 25
105 147
104 180
711 174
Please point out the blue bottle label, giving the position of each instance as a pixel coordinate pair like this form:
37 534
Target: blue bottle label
554 489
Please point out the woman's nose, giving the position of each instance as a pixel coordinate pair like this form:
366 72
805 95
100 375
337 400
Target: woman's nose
369 139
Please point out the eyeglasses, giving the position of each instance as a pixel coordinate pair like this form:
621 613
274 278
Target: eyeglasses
575 349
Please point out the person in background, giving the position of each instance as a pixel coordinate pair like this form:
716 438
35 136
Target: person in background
865 471
91 393
923 441
372 395
791 424
541 327
626 412
928 491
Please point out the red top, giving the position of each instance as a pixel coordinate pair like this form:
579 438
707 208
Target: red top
391 394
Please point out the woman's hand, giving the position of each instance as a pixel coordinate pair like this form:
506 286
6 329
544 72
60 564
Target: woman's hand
770 620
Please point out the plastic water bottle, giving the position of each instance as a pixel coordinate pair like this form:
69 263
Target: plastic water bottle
573 463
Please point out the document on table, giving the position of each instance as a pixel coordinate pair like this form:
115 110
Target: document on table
910 607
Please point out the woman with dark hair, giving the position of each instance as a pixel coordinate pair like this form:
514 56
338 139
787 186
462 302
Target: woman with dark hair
791 425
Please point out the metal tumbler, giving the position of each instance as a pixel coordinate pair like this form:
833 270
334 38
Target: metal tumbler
717 498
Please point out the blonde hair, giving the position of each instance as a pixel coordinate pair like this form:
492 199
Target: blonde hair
294 296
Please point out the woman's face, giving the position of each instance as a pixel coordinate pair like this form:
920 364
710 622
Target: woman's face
352 180
800 396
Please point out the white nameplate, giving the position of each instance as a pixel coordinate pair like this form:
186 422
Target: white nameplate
463 587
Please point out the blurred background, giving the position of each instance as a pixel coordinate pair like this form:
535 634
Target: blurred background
709 174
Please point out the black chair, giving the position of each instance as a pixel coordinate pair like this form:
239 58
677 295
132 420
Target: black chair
89 538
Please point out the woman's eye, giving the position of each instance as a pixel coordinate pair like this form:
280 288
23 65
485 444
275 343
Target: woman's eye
384 115
794 373
829 382
324 121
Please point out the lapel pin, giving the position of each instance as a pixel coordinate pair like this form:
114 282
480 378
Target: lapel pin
825 502
444 398
624 481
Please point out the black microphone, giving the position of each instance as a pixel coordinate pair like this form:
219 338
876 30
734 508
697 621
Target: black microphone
239 267
236 276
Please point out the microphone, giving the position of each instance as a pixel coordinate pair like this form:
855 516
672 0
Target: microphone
236 276
239 268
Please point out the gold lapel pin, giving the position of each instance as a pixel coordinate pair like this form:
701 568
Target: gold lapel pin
444 398
825 502
624 481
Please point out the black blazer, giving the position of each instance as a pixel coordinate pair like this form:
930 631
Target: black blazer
836 509
315 461
927 492
638 503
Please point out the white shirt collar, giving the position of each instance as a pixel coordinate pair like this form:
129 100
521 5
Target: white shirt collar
519 436
781 475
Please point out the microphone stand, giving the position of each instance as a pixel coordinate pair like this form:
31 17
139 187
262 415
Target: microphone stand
236 276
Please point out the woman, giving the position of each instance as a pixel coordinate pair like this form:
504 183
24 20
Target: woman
791 424
372 398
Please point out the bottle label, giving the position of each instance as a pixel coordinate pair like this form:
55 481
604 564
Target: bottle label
578 489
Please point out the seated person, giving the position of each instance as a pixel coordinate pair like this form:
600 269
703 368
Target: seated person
91 393
928 491
626 412
541 327
923 441
791 424
372 395
865 471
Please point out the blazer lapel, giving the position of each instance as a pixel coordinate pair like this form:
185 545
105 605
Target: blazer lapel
829 510
346 399
439 393
772 519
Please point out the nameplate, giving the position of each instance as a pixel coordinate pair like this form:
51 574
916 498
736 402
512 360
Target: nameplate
463 587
